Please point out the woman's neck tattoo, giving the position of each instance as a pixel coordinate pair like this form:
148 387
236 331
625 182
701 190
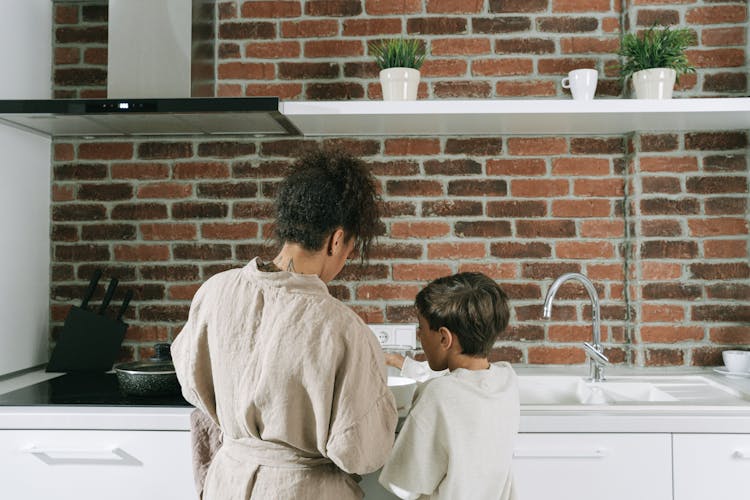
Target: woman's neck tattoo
267 267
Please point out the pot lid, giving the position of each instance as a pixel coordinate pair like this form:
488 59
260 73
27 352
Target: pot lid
146 367
159 363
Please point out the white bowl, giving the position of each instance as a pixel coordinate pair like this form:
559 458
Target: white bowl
737 361
403 390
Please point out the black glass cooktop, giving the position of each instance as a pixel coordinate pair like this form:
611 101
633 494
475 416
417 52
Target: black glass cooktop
92 389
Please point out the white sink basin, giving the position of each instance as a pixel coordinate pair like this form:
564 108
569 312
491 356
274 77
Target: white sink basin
554 390
577 391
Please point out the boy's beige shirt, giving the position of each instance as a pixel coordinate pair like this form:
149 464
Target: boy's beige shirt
457 441
296 382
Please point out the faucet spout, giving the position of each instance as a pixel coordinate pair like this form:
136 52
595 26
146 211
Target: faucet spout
596 362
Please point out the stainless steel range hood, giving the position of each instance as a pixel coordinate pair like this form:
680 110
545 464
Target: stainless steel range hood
133 117
160 81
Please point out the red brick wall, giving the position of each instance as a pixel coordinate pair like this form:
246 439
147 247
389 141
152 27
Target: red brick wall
79 40
690 271
477 49
658 221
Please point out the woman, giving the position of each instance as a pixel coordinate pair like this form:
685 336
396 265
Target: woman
294 378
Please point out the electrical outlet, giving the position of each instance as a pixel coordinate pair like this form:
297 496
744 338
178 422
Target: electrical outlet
400 335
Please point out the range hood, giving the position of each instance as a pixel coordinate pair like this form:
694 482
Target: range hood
160 81
133 117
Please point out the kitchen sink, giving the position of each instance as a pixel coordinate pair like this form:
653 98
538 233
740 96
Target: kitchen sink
575 390
625 391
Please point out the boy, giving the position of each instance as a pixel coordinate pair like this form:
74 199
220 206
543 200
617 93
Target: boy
457 441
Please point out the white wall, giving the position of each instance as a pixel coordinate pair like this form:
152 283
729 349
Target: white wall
26 58
25 159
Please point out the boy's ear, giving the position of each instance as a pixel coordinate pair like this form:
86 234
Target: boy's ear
446 338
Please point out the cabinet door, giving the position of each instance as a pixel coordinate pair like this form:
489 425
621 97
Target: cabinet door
593 466
83 465
711 466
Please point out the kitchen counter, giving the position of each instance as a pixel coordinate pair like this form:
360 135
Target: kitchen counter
648 442
677 417
638 418
86 416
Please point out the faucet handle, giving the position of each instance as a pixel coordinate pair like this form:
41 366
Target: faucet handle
595 354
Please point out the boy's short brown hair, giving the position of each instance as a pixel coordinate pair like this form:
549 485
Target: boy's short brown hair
471 305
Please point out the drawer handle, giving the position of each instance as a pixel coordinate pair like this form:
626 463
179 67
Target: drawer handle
740 454
597 453
60 456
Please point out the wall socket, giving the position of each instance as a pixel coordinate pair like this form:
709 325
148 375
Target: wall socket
401 335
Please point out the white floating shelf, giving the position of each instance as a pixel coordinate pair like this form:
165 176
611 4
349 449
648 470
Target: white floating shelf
515 117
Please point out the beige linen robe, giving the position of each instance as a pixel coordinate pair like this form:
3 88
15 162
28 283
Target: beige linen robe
294 379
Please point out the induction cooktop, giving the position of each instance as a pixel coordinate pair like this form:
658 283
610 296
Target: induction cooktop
85 389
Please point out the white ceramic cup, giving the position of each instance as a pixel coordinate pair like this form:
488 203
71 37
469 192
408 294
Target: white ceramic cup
736 361
582 83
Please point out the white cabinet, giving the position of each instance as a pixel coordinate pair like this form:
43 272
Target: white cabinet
92 465
593 466
26 34
372 488
25 185
25 216
711 466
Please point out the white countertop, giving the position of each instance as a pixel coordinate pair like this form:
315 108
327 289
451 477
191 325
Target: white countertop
86 417
642 418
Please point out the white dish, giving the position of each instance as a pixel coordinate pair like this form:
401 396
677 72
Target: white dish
727 373
403 390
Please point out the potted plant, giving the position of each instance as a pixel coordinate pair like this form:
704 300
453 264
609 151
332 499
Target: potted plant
655 60
399 61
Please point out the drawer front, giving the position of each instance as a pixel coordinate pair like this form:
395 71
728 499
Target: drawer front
711 466
82 465
593 466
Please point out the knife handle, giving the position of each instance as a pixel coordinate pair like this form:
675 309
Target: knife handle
91 289
124 305
108 296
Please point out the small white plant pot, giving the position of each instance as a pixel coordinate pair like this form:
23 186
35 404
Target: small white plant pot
654 83
399 84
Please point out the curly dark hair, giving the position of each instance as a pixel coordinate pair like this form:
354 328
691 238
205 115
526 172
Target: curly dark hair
323 191
471 305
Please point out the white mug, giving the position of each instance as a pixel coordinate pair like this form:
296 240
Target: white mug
582 83
737 361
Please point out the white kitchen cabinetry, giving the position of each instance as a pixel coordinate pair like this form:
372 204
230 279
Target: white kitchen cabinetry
93 465
593 466
711 466
26 34
583 467
25 159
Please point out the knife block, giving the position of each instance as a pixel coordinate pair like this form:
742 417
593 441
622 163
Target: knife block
88 342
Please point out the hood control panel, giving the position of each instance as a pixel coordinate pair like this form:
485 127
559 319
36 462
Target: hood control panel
395 336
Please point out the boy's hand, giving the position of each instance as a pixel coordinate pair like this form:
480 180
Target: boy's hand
394 360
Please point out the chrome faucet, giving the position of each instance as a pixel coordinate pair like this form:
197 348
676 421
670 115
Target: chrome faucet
595 351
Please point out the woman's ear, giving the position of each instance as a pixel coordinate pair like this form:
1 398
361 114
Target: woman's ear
336 242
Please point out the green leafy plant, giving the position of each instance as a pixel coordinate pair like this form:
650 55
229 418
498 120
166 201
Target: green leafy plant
398 53
656 48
